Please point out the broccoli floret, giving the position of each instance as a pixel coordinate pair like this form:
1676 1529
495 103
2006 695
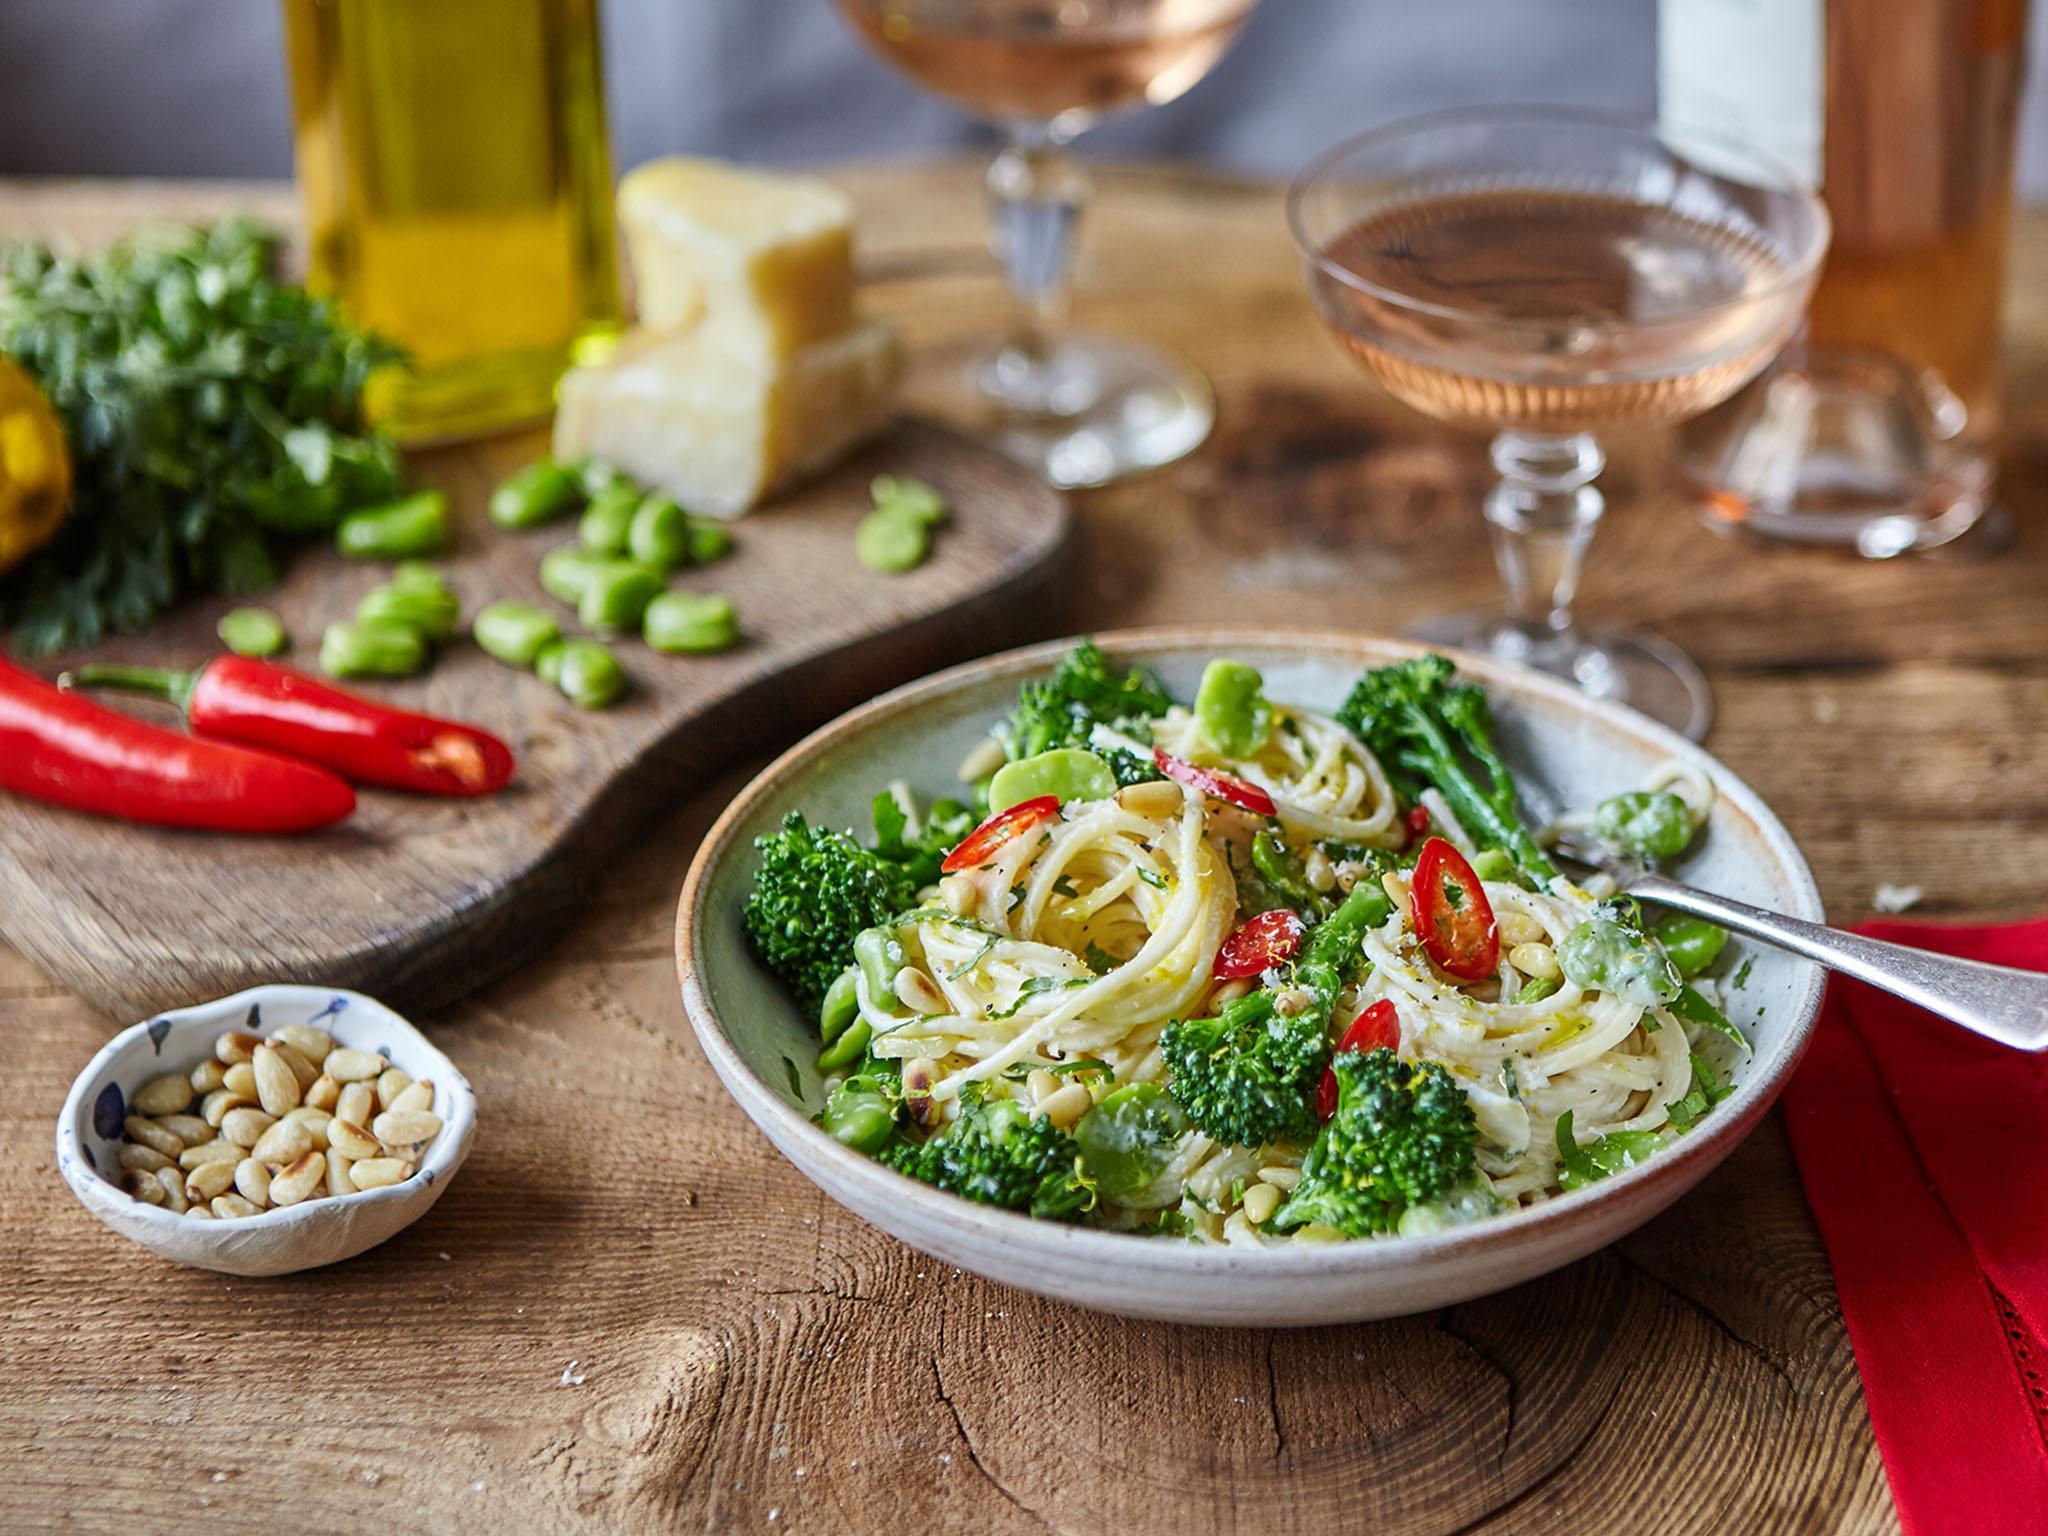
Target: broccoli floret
815 891
1423 727
1403 1135
919 846
996 1152
1245 1075
1082 693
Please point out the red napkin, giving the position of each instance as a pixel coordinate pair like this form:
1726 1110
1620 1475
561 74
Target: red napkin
1924 1152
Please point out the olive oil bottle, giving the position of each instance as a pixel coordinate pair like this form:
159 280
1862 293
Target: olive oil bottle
457 182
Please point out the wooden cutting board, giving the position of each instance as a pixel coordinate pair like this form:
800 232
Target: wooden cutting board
419 900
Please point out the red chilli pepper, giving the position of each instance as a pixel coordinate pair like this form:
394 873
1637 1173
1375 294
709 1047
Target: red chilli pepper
1378 1026
1259 943
985 839
1418 822
1452 916
260 704
1209 781
64 750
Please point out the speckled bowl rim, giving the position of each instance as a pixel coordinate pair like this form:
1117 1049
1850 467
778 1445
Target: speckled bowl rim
1064 1244
444 1158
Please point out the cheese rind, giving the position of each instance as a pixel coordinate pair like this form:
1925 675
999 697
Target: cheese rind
768 255
719 431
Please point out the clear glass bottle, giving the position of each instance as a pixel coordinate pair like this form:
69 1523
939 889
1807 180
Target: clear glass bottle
453 161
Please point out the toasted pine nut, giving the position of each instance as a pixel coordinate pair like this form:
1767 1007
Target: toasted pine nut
142 1185
919 992
376 1172
1068 1105
315 1121
984 759
173 1182
347 1065
302 1069
1043 1085
283 1142
405 1127
419 1094
253 1180
1155 797
391 1082
311 1043
351 1140
153 1136
164 1095
1538 960
338 1181
1321 873
1519 928
1260 1202
244 1126
209 1076
215 1106
1290 1001
215 1151
236 1046
189 1129
957 894
298 1180
1228 991
228 1207
241 1078
210 1179
324 1093
141 1159
277 1086
1395 887
1280 1176
357 1103
199 1211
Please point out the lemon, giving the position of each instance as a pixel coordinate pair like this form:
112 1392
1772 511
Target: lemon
35 470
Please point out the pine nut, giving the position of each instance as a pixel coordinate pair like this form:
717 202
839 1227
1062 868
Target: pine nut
1395 887
172 1181
199 1211
957 894
244 1126
919 1073
236 1046
253 1180
303 1070
1155 797
1043 1085
299 1180
419 1094
277 1086
1537 960
357 1104
241 1078
338 1181
1068 1105
1520 928
164 1095
140 1159
1260 1202
1321 873
143 1186
324 1093
210 1179
1280 1176
215 1106
283 1142
919 992
208 1076
346 1065
351 1140
376 1172
311 1043
390 1084
1290 1001
405 1127
209 1152
1228 991
230 1207
315 1121
153 1136
189 1129
986 757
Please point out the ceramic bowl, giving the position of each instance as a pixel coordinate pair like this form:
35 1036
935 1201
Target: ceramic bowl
1567 750
281 1241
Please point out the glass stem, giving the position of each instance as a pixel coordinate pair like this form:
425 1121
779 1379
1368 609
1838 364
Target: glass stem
1035 196
1542 514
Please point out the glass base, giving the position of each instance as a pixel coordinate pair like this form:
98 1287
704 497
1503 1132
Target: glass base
1092 410
1646 672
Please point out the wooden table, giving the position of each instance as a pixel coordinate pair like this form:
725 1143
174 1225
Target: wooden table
630 1313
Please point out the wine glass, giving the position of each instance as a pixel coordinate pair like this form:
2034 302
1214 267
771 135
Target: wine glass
1546 274
1083 409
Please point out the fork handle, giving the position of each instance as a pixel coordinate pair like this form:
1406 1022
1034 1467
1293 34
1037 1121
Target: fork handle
1994 1001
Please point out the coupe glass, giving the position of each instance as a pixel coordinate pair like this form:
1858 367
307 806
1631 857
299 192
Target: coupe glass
1548 274
1083 409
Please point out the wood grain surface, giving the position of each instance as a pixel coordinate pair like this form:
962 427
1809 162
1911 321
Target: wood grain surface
630 1314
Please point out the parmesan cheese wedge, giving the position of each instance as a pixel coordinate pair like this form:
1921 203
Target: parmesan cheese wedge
719 428
766 255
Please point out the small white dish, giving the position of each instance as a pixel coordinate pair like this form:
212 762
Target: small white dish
276 1242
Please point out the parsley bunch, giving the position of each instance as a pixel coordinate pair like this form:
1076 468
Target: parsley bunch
213 412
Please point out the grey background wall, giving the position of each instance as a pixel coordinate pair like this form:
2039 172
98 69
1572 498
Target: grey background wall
196 87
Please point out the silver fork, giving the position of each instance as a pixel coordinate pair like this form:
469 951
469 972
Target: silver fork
1994 1001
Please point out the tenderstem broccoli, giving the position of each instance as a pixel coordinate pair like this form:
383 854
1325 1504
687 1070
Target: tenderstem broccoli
1083 692
815 892
998 1153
